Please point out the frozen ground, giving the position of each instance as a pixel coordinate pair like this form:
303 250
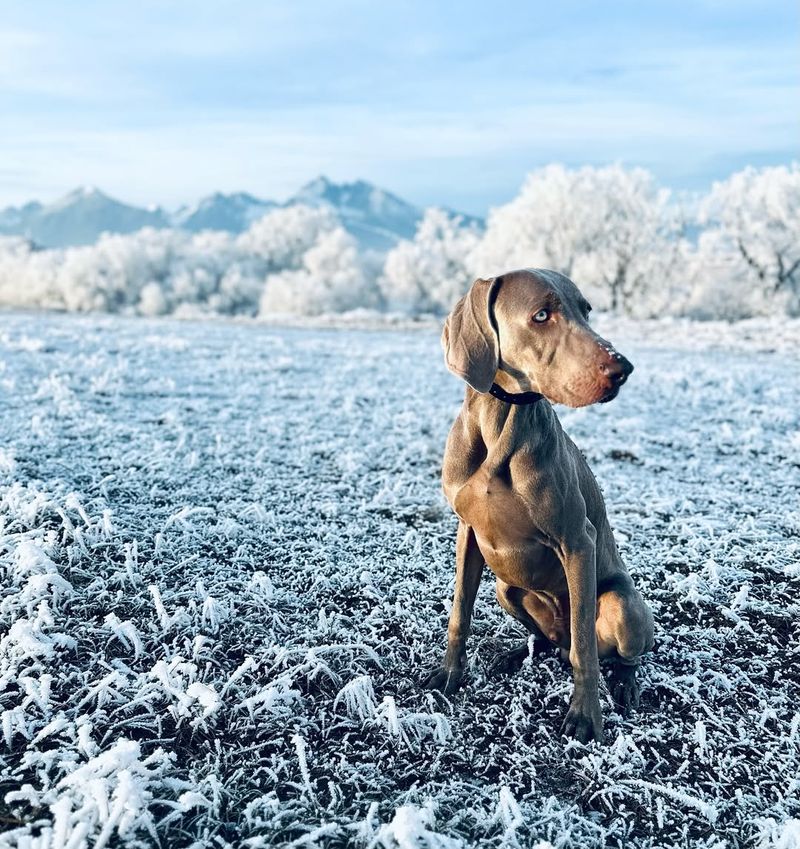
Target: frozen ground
225 562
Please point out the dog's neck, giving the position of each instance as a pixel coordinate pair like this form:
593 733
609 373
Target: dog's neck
506 427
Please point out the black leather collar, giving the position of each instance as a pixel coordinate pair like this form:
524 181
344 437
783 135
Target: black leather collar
521 398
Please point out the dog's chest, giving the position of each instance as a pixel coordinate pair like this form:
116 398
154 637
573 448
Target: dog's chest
499 502
502 520
487 502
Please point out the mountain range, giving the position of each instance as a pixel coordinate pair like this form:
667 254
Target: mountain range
375 217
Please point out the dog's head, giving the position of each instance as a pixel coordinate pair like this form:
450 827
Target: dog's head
533 326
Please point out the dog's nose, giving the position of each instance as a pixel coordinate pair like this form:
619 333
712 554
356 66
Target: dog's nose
617 370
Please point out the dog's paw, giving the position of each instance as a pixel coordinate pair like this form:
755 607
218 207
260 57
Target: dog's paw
584 721
624 687
509 662
446 680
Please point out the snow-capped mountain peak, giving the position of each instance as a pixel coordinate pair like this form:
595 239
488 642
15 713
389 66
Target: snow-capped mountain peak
377 218
233 212
78 218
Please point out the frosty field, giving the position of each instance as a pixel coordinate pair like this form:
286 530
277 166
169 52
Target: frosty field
226 562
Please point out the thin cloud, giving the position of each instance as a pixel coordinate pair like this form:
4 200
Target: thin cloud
164 102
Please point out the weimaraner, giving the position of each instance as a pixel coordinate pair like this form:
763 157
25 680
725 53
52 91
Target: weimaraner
527 502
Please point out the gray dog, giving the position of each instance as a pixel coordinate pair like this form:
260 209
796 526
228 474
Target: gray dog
527 502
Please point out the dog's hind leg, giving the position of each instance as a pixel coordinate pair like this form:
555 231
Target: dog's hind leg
624 633
512 600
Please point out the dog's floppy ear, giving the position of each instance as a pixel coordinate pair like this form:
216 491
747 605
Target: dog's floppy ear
471 346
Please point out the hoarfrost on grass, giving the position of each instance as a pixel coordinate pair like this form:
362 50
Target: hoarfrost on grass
225 563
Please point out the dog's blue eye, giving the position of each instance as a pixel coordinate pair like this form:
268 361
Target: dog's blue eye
541 316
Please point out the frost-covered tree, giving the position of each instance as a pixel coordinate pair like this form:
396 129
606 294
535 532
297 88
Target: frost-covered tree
330 278
310 263
748 255
27 275
151 300
431 272
611 229
110 275
282 236
106 276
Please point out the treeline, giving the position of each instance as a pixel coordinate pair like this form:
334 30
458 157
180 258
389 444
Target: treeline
631 245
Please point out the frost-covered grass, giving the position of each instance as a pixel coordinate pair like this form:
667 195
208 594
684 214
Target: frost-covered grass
225 562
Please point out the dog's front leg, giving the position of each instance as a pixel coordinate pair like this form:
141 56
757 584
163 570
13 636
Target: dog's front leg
584 719
469 565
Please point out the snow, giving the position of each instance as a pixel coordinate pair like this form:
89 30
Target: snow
631 246
225 564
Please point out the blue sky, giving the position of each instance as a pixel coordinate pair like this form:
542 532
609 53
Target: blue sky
449 103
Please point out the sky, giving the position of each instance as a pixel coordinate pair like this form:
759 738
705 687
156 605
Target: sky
440 102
